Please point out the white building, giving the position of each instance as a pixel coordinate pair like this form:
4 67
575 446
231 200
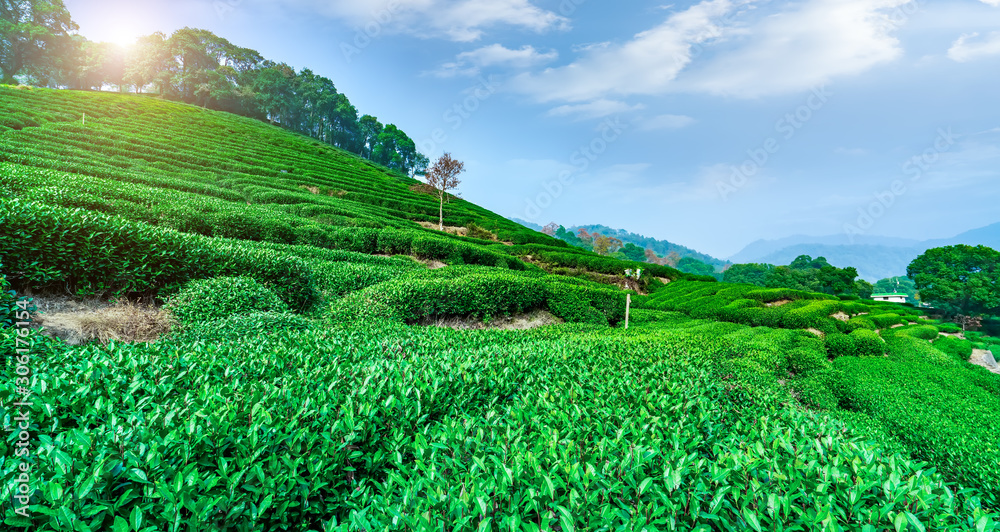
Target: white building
891 297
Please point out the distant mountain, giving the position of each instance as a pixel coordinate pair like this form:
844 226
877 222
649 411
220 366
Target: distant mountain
872 262
661 247
875 257
762 248
527 224
987 236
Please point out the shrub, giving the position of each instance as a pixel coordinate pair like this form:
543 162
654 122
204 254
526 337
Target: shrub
569 303
867 343
924 332
861 322
813 391
959 349
212 299
949 328
859 343
242 325
806 360
885 321
477 231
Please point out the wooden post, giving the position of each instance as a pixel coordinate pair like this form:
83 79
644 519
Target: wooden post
628 304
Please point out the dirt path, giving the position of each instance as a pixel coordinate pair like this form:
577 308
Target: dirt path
984 358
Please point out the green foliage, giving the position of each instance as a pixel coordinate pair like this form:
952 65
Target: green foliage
859 343
959 279
959 349
924 332
266 421
220 297
941 410
242 325
804 273
362 427
480 293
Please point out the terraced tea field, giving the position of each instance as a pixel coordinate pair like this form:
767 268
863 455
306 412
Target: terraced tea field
299 390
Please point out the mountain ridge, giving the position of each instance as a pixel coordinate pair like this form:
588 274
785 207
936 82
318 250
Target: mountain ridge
875 257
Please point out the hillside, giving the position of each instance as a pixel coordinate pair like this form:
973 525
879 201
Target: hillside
874 257
305 383
662 248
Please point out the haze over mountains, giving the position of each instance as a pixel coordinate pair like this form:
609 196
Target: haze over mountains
875 257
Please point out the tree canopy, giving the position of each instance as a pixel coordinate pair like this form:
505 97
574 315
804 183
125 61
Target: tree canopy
960 280
37 46
804 273
34 37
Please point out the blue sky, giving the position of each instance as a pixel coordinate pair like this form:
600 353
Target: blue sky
710 124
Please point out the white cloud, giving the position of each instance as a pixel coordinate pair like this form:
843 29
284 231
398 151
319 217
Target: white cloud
969 47
457 20
804 47
595 109
727 47
647 64
994 3
471 63
666 122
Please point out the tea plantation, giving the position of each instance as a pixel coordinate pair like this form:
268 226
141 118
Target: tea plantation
301 389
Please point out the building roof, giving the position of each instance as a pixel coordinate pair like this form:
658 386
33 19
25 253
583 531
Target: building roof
891 294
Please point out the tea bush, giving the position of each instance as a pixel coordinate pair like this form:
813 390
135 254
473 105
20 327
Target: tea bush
220 297
924 332
961 350
403 429
859 343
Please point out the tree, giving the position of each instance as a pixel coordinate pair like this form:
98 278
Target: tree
633 252
149 62
551 228
755 274
369 129
29 31
604 245
960 280
443 176
863 289
695 266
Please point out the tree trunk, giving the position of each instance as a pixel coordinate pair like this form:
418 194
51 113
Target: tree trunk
441 211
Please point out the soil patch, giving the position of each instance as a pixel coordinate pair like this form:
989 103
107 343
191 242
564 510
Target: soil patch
432 264
529 320
460 231
778 303
103 321
842 316
817 332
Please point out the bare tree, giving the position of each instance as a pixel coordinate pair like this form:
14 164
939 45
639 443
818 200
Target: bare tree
443 176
